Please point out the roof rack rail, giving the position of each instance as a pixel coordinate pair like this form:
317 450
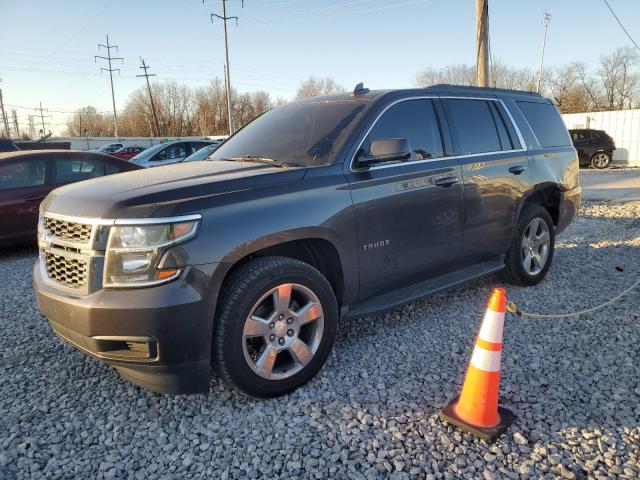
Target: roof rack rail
473 87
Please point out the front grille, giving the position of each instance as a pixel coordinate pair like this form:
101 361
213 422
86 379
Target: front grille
70 272
67 230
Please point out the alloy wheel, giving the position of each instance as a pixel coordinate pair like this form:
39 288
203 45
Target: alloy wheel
283 331
536 243
601 160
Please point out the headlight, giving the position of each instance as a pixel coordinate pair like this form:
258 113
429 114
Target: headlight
134 250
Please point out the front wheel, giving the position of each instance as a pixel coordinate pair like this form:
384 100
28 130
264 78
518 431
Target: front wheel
600 160
276 323
531 251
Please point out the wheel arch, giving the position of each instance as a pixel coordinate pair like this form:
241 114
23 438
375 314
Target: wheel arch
547 195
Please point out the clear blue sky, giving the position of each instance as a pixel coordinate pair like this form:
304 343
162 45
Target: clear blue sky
47 47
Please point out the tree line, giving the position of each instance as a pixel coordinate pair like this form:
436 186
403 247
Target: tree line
614 84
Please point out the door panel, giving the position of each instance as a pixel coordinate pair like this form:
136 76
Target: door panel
22 188
495 170
408 227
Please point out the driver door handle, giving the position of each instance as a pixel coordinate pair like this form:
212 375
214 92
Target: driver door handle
446 182
517 170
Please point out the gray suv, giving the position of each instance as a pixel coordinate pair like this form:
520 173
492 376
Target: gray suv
322 209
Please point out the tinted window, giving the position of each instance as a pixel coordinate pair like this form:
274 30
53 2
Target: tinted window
111 168
22 174
414 120
305 133
67 171
546 123
474 125
178 150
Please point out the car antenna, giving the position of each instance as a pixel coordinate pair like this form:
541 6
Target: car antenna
360 90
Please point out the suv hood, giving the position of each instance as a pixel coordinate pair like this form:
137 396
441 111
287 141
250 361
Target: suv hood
164 191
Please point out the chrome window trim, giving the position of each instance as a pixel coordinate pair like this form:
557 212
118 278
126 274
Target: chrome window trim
523 145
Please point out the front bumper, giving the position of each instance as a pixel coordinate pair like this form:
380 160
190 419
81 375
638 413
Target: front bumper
157 337
568 208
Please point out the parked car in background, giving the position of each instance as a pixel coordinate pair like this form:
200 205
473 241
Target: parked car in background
327 207
595 148
109 148
169 152
7 145
203 153
26 177
127 153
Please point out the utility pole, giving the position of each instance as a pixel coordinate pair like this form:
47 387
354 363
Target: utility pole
546 18
109 58
14 114
482 43
5 121
32 126
153 107
224 19
44 132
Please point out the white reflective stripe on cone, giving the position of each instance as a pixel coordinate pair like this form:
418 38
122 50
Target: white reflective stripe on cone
486 359
492 326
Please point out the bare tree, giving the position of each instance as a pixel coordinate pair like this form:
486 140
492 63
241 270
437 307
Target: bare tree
87 121
313 87
500 75
621 84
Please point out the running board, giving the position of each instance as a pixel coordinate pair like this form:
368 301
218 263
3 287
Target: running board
419 290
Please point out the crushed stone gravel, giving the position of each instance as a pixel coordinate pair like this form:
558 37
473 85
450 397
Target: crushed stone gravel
372 411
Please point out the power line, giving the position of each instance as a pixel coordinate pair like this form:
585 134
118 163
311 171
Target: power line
621 25
109 58
153 107
42 115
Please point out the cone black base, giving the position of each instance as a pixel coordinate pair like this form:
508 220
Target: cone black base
489 434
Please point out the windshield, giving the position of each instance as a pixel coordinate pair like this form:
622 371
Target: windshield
304 133
148 153
201 154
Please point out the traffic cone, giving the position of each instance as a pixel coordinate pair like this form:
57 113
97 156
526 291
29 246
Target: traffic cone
476 409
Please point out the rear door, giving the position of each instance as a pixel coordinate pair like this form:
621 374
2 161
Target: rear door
75 168
408 213
23 185
495 170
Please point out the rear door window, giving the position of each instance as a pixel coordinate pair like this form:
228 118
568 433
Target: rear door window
67 170
474 125
414 120
22 174
546 123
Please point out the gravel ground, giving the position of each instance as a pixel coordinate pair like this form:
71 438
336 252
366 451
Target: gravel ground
372 411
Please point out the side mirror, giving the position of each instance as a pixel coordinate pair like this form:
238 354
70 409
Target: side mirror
387 150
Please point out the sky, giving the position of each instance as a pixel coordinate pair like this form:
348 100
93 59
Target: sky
47 47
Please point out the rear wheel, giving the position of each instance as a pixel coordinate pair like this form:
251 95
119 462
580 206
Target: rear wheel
600 160
276 323
531 251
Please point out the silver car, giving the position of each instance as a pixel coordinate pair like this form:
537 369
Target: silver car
169 152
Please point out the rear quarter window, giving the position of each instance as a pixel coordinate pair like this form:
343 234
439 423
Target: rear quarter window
546 123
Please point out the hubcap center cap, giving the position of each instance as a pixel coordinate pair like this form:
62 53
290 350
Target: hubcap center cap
280 328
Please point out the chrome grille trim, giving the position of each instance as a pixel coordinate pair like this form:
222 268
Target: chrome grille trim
70 271
67 230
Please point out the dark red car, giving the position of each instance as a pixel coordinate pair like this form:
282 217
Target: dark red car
126 153
27 176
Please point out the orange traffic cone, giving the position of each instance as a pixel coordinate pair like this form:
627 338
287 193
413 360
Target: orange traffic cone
476 409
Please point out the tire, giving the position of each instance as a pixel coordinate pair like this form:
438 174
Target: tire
515 271
245 348
600 160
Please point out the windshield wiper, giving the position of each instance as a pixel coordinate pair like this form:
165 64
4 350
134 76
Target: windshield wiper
251 158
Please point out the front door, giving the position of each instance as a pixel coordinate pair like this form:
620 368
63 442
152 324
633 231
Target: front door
23 185
409 213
